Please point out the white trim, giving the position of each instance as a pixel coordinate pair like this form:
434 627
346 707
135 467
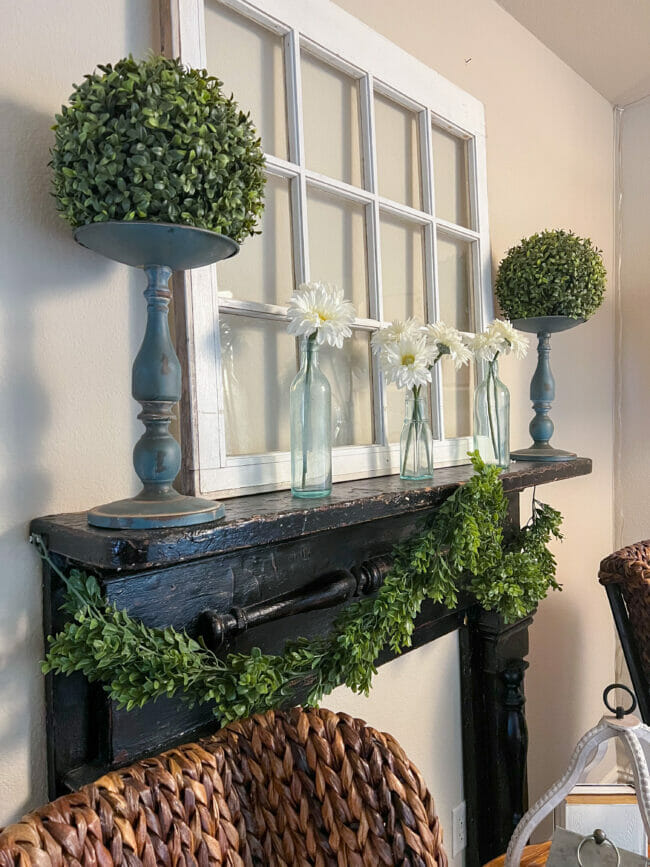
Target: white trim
329 33
353 462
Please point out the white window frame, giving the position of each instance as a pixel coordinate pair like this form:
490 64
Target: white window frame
346 43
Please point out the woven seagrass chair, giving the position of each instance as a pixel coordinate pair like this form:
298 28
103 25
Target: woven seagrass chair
626 577
302 787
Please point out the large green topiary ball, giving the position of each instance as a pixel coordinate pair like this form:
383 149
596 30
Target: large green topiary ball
152 140
553 273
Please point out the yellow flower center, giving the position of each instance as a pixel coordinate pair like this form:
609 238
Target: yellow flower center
408 359
324 317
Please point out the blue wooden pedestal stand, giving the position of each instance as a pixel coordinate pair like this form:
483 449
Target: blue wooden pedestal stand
158 248
542 389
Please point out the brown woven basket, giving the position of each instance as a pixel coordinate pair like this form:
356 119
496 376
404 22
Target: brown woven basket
630 567
303 787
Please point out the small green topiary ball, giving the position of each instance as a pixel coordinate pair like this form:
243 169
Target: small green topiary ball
553 273
153 140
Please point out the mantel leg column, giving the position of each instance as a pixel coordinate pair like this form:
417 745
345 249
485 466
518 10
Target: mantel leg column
495 736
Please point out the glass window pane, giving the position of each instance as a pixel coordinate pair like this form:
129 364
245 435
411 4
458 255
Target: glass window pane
337 245
455 282
402 268
263 269
250 61
457 399
259 362
330 113
394 412
450 175
349 373
398 163
403 291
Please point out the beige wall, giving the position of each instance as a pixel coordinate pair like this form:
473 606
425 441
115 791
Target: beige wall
550 164
72 323
633 464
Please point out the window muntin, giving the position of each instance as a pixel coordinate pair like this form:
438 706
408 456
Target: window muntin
380 189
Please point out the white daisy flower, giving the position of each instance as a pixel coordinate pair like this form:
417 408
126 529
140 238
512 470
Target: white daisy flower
483 347
407 361
511 339
447 340
321 309
499 339
391 334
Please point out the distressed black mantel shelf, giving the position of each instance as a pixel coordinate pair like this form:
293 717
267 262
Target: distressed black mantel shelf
274 569
263 519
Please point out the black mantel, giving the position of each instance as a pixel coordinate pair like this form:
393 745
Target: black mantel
272 546
263 519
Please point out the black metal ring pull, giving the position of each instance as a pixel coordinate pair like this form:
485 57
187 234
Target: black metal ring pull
618 710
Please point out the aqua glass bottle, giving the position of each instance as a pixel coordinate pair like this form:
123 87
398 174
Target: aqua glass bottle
416 441
310 407
492 418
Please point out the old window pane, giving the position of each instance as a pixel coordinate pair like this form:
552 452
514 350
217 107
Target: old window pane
457 399
258 84
349 373
398 163
403 292
450 175
402 268
259 363
455 282
337 245
263 269
330 110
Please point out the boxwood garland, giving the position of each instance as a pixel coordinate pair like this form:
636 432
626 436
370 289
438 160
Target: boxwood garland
462 546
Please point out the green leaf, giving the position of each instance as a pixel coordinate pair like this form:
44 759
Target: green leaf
460 547
135 122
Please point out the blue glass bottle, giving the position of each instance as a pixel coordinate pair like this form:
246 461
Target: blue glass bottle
492 418
416 441
310 407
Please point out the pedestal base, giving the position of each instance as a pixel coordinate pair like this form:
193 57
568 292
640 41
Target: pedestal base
139 513
542 453
159 248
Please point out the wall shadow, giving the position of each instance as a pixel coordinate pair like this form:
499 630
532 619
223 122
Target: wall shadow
40 264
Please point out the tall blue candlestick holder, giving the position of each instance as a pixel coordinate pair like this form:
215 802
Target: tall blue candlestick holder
159 249
542 389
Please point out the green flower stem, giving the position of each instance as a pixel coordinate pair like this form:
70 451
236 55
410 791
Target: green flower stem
460 547
306 405
497 414
414 417
492 407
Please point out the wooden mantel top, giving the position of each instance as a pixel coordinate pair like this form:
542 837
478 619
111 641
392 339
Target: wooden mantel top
262 519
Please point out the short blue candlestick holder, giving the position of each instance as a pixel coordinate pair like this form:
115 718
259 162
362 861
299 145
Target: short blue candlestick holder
542 388
159 249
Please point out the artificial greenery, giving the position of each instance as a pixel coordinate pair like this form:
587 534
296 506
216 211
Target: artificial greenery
462 547
153 140
553 273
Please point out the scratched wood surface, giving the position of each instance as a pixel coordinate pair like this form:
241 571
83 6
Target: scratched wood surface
269 546
263 519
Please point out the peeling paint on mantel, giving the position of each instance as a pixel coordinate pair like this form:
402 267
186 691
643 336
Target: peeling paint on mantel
275 517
